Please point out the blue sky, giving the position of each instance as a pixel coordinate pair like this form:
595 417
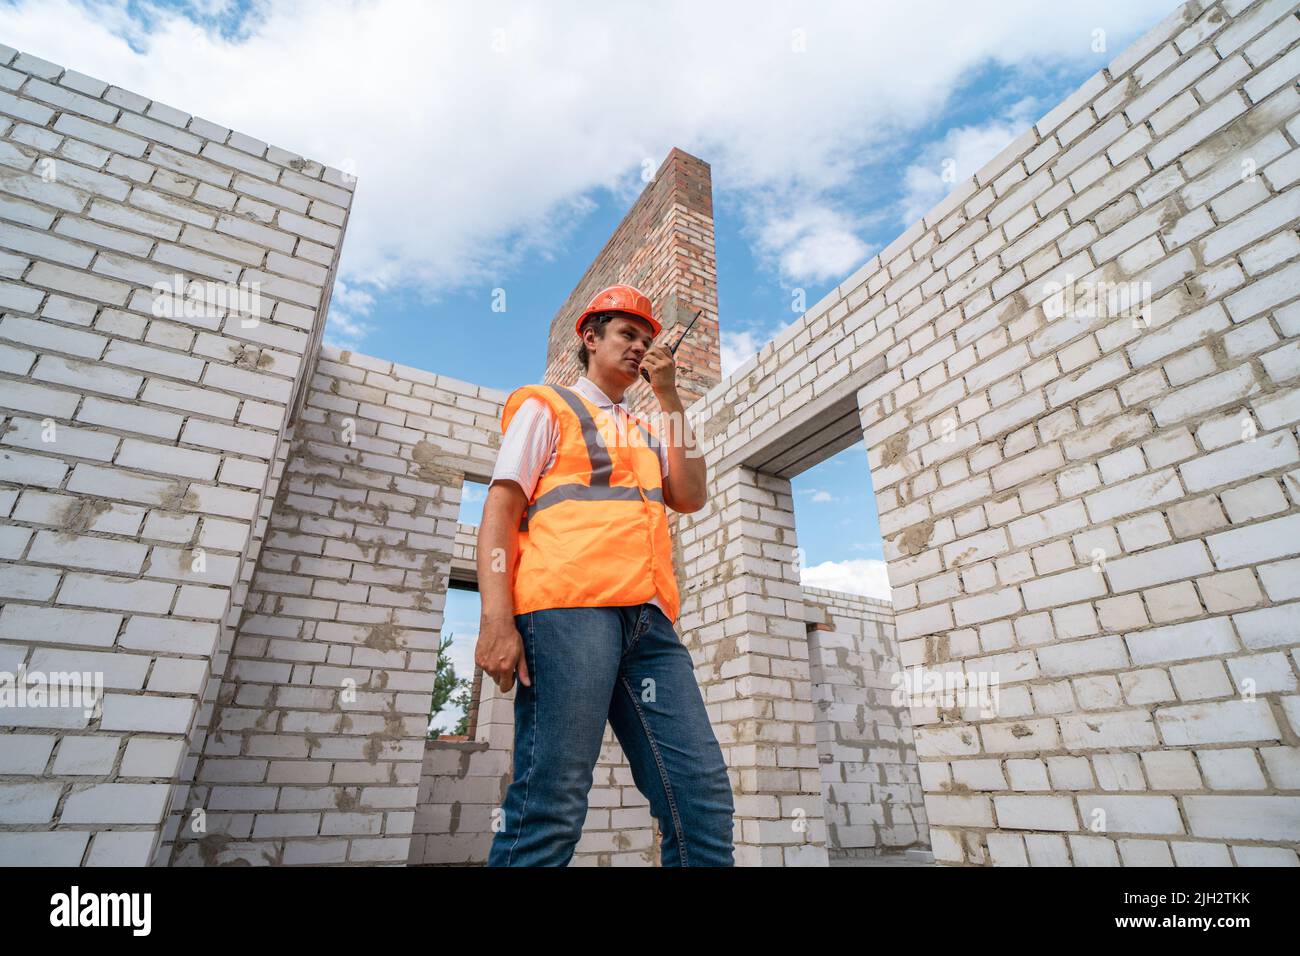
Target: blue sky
498 145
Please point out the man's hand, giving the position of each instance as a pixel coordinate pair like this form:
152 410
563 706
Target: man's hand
500 652
662 368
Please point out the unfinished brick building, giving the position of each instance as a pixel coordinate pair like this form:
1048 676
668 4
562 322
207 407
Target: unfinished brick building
251 536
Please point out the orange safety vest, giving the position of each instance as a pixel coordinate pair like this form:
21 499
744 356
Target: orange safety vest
595 533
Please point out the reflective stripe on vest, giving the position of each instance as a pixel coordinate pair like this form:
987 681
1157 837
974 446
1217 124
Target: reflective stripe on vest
613 545
602 467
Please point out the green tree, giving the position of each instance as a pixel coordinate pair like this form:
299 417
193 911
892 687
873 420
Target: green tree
445 684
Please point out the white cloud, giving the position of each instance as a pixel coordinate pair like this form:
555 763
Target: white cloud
479 130
819 496
811 242
349 306
961 153
736 348
856 575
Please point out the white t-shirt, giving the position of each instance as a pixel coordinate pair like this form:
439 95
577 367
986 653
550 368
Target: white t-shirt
532 440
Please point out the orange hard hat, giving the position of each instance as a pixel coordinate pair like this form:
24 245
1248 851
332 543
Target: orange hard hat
620 298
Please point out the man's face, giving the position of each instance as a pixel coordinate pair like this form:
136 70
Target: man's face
619 353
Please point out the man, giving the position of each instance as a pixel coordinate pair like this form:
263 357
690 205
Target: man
579 600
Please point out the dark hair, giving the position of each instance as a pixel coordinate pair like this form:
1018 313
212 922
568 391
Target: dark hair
598 322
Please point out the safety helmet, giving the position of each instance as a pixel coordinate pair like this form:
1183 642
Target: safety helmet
620 298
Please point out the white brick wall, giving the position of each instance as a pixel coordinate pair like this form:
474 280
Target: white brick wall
318 726
136 444
1110 527
871 785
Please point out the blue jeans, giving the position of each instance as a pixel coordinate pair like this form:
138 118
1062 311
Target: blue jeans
625 665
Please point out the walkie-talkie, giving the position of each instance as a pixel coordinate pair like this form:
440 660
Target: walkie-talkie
673 351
